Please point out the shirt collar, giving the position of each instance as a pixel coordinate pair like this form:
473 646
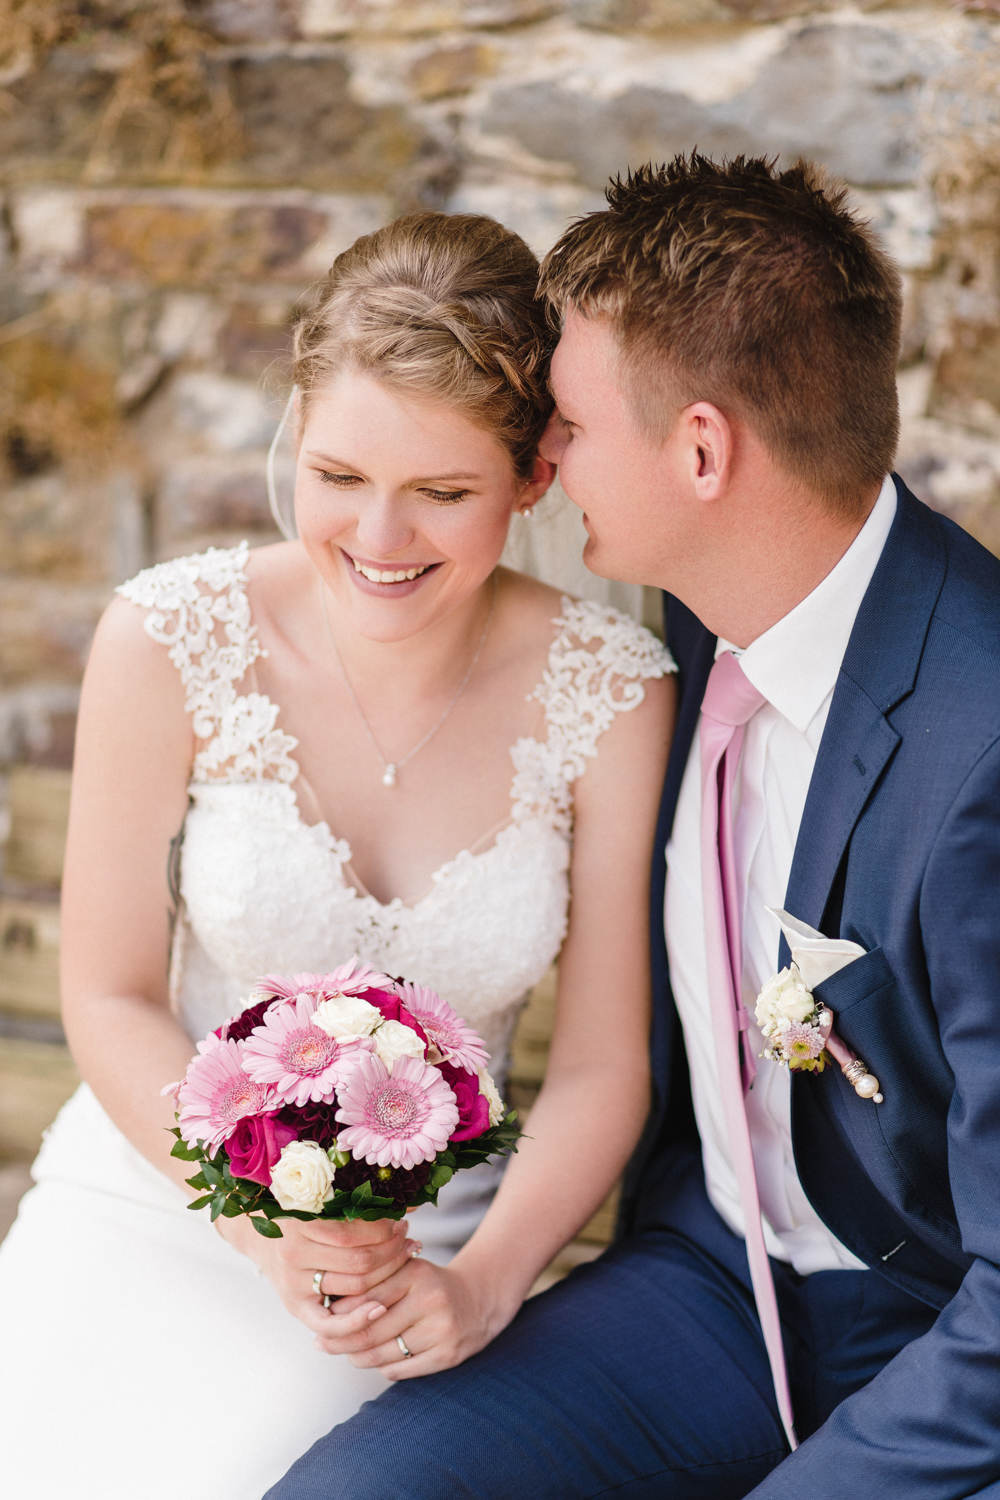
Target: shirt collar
796 663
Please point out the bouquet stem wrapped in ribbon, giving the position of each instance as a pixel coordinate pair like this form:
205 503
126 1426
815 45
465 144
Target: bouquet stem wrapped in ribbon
346 1095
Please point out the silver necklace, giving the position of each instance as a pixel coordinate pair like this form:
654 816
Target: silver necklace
391 768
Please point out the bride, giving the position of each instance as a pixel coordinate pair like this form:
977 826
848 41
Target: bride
290 756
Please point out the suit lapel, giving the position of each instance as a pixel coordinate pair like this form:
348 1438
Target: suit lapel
878 671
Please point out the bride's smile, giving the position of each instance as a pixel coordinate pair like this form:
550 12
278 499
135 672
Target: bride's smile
403 501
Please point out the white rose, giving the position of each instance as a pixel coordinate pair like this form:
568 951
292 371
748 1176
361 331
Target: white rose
303 1177
393 1040
784 997
346 1016
489 1089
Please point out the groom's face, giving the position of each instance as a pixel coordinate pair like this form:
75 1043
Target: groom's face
624 482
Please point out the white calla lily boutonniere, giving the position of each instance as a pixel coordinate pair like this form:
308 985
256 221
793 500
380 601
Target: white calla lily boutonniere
798 1031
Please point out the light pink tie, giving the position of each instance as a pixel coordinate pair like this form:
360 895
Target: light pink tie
730 700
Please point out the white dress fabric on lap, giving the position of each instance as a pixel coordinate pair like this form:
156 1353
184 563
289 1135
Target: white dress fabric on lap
139 1354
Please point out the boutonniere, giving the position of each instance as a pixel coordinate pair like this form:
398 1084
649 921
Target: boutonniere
798 1031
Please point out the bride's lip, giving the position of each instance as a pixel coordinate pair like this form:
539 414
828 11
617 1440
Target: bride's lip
397 588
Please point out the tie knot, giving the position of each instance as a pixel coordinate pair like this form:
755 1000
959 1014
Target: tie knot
730 698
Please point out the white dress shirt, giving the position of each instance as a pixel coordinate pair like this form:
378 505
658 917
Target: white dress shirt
795 666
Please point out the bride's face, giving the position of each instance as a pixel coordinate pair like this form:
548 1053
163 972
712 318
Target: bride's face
402 505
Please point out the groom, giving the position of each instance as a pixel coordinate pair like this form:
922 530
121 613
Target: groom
798 1263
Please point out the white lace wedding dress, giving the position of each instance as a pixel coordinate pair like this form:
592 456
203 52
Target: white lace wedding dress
141 1357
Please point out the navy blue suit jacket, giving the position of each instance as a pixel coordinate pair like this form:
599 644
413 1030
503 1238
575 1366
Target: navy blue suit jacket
899 850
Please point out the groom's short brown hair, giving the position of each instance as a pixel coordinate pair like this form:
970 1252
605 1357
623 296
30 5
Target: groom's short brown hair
757 290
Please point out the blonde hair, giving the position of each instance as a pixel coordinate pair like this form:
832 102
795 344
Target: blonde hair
440 306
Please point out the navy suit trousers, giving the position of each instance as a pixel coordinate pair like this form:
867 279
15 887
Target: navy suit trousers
642 1375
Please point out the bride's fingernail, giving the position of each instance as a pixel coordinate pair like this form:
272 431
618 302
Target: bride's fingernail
377 1312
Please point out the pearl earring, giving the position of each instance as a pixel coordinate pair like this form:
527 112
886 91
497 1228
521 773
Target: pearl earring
527 513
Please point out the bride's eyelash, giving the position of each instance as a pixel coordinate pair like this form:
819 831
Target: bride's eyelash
342 480
446 497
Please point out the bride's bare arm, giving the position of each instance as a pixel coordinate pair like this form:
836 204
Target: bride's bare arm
131 770
591 1110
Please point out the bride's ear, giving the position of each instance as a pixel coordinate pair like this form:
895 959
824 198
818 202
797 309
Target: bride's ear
531 490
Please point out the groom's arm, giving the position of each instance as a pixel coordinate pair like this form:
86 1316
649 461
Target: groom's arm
928 1426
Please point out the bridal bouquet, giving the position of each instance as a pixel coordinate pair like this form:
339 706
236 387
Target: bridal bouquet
336 1096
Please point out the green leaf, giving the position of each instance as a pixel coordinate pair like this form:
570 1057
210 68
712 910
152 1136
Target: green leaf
213 1174
199 1180
265 1227
439 1176
185 1153
200 1202
361 1193
233 1208
218 1204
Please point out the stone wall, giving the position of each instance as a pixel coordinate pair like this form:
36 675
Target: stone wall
174 177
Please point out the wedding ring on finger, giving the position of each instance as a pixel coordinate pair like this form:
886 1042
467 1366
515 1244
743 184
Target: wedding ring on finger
318 1282
406 1353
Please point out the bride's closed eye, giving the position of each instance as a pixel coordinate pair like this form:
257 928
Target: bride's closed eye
445 497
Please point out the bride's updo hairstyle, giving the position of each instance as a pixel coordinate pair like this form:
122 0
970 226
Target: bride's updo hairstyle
438 306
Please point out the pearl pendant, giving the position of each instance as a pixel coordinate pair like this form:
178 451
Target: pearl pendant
389 776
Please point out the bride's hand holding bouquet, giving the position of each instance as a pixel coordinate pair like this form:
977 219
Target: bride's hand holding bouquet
334 1103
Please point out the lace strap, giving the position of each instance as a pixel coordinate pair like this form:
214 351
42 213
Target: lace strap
198 608
598 661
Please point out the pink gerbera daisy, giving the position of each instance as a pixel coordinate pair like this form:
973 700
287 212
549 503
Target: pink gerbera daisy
216 1094
396 1119
456 1042
348 979
304 1064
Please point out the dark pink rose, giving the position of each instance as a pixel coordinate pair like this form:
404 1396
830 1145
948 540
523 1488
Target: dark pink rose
473 1107
255 1146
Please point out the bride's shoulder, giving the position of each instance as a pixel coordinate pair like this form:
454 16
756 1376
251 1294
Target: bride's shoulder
583 634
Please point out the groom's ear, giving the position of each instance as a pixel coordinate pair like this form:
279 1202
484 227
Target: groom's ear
707 437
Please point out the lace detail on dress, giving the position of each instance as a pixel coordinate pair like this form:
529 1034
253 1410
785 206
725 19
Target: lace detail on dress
190 601
583 687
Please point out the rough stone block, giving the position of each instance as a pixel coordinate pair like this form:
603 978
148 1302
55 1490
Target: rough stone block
537 212
38 799
46 629
168 244
48 227
448 71
645 15
254 338
300 123
36 1079
840 94
967 380
288 118
247 20
29 957
408 17
225 415
201 497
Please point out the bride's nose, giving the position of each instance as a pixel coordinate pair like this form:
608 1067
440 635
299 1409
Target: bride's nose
383 528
